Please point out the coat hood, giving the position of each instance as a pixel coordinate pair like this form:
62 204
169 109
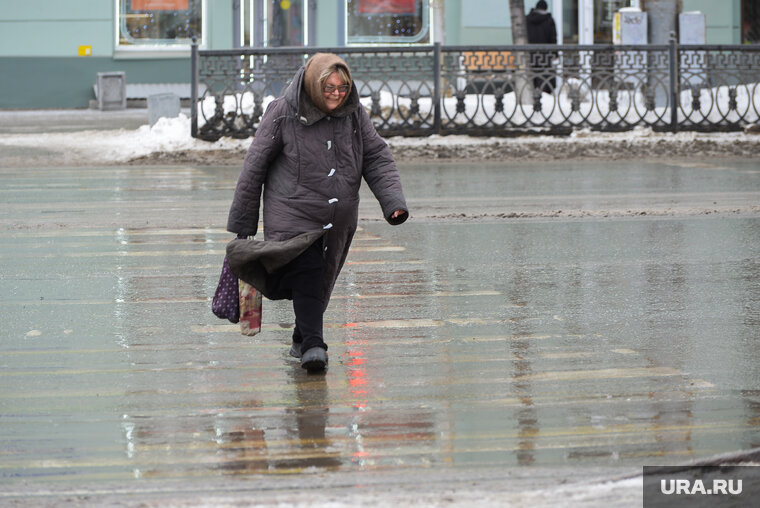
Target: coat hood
305 93
537 16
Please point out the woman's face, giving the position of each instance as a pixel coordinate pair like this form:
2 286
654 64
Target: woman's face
334 90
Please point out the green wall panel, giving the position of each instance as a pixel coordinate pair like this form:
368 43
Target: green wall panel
327 23
44 83
58 10
35 38
219 24
719 35
451 14
485 36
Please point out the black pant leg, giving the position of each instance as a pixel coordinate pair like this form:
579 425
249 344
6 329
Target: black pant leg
306 282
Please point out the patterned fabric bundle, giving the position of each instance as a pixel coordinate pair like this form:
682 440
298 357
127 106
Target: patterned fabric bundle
237 301
226 302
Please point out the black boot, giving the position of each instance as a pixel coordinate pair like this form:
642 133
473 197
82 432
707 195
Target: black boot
314 359
295 345
295 349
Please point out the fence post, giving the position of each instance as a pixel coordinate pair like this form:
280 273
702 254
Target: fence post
437 88
194 89
674 96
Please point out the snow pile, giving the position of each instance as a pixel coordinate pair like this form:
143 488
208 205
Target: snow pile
169 142
173 135
168 135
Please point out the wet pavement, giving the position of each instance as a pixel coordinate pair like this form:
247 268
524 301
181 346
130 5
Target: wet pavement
530 326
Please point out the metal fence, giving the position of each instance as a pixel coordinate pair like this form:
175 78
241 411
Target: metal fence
497 90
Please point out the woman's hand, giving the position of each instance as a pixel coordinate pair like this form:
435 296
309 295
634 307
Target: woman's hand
398 217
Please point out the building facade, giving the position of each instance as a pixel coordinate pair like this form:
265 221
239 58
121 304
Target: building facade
51 51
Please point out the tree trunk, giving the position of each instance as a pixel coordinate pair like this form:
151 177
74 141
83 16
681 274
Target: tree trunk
522 83
517 16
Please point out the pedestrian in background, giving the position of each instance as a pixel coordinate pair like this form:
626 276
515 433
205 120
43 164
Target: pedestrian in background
312 148
542 30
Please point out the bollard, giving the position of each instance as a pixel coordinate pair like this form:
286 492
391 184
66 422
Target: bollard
162 105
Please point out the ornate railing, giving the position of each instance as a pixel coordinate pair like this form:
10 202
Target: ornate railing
497 90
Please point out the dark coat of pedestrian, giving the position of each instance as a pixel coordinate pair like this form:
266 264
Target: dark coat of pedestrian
541 27
312 149
542 30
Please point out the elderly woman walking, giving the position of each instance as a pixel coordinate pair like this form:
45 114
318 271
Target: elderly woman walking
312 149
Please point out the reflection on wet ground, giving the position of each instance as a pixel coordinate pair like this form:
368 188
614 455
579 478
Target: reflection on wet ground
454 345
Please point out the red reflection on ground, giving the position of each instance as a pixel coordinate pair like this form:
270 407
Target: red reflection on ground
357 373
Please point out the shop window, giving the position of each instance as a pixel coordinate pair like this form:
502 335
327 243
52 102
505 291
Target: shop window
159 23
604 15
285 23
388 21
273 23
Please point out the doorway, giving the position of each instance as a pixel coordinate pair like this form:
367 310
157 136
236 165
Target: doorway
750 21
588 21
273 23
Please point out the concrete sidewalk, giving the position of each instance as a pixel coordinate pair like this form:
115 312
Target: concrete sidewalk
71 120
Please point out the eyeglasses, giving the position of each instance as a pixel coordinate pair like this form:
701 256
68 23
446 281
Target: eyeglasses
329 89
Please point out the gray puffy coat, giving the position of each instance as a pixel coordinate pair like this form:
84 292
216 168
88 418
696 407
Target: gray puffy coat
310 165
